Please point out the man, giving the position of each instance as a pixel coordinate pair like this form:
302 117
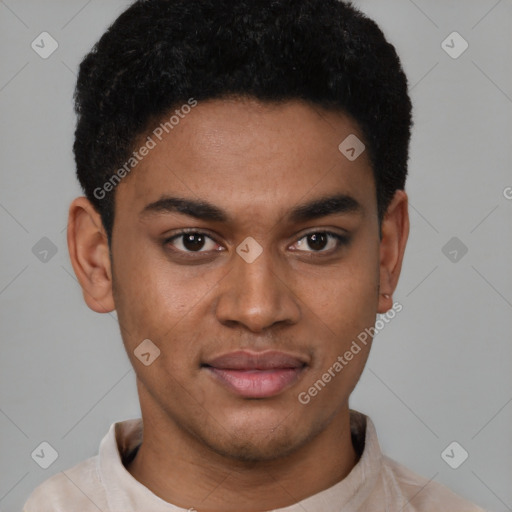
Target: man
244 166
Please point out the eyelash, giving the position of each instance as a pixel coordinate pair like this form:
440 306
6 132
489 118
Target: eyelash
342 240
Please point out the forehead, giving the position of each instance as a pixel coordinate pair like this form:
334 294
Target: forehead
248 156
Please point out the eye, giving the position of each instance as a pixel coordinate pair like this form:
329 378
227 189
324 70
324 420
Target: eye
192 241
321 241
199 242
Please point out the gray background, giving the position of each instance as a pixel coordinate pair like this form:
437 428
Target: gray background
439 372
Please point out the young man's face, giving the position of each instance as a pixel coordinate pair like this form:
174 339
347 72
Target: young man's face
201 297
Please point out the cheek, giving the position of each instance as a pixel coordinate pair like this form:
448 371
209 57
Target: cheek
342 309
346 298
158 300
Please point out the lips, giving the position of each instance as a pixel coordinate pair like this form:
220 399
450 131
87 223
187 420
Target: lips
256 374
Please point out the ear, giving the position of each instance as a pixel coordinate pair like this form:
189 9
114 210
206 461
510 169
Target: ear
89 254
395 231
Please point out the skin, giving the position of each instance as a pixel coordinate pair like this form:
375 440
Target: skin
204 446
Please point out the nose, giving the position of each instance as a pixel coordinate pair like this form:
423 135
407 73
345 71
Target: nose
257 295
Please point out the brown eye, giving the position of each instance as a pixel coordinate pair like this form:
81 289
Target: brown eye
193 241
320 240
317 241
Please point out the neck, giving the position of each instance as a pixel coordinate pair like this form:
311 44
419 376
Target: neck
191 476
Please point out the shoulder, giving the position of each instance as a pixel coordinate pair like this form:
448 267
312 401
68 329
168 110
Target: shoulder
77 488
419 493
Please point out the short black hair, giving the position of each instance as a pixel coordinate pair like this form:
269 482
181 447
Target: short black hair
161 54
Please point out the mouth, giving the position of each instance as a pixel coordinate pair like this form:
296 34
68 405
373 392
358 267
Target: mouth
256 374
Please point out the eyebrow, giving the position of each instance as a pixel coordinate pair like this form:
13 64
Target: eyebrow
203 210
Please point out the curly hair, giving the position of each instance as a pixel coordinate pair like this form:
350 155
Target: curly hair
160 53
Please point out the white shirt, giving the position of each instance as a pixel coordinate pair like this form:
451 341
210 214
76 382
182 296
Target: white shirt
375 484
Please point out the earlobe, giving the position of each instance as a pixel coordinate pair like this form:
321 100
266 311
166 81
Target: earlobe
89 254
395 231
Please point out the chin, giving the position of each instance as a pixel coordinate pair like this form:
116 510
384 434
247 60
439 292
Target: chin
256 450
263 445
